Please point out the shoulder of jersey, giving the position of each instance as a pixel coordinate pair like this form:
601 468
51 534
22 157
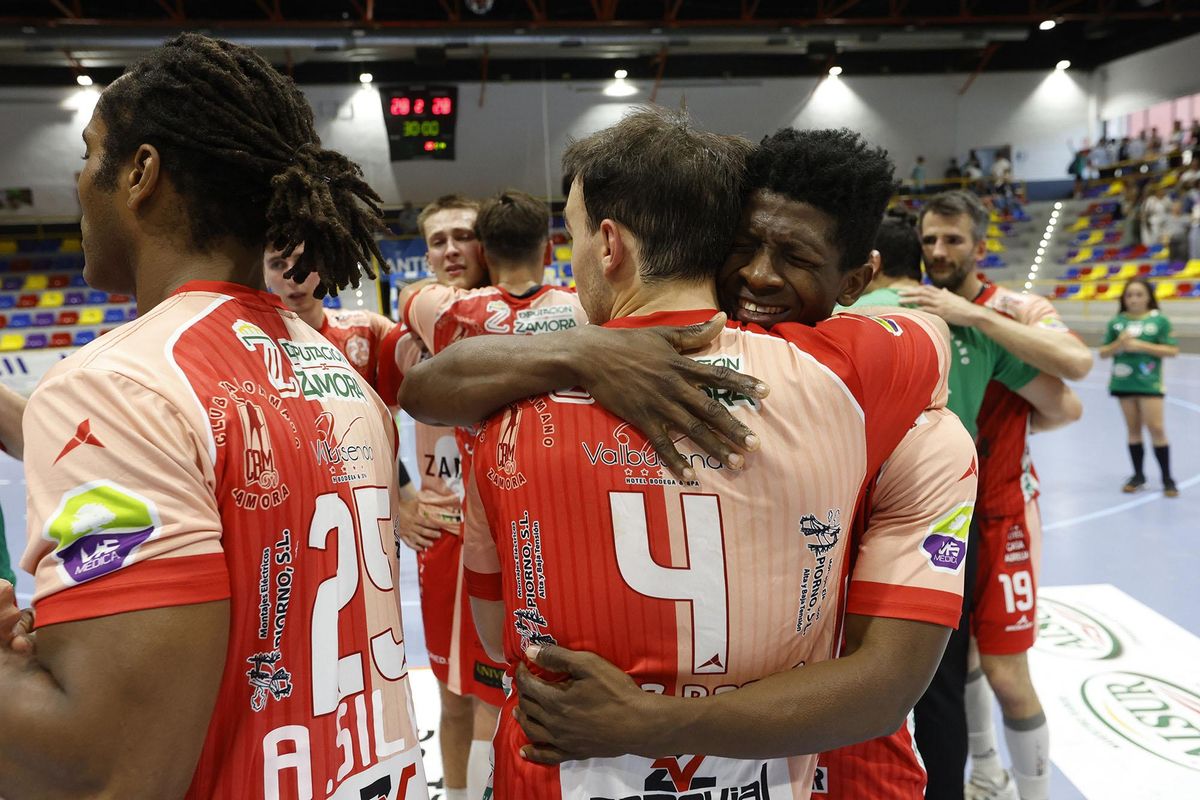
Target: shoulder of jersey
350 319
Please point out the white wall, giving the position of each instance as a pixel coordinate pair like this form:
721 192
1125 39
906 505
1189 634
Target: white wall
1139 81
509 141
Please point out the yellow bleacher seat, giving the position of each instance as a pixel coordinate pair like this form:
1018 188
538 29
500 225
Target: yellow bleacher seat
70 246
1127 271
1168 180
1095 237
12 341
562 253
994 232
1115 188
1191 269
91 316
994 216
1165 290
1082 255
51 299
1113 292
1079 225
8 247
995 246
1086 292
35 283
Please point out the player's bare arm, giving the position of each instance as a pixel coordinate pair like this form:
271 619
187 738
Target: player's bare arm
1054 403
489 624
12 409
600 712
83 716
638 375
1051 351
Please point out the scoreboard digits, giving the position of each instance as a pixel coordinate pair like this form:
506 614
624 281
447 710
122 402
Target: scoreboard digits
420 121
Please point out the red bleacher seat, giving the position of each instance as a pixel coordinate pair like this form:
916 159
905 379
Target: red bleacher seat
120 298
59 281
68 317
60 339
3 320
1183 289
1145 269
1101 288
27 301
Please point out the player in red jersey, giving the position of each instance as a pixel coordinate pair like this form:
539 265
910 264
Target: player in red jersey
431 523
215 603
358 334
953 230
672 627
513 230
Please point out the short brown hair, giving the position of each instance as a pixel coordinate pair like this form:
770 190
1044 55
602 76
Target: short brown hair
513 226
956 203
444 203
678 189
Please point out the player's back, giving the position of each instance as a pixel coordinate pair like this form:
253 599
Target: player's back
441 315
261 465
1007 479
359 335
701 588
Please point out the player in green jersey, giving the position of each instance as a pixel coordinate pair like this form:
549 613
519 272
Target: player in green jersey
1138 339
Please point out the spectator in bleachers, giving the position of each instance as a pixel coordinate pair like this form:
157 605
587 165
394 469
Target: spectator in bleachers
973 171
1079 168
1102 157
1130 210
1176 224
1178 136
407 220
954 171
1155 146
1137 339
918 175
1002 168
1154 211
1196 133
1137 147
1123 149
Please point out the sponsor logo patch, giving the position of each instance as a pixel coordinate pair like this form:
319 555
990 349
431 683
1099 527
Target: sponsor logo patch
97 527
545 319
946 543
820 538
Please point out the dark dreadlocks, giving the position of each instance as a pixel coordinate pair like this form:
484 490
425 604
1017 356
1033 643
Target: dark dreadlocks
237 140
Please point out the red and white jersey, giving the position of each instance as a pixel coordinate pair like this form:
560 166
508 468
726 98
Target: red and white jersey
441 315
907 503
358 334
440 468
702 588
1007 478
218 448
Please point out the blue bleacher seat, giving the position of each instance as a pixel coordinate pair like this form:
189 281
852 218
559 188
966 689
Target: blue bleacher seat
35 341
77 281
1071 274
7 301
74 299
1074 289
114 315
21 320
12 283
83 337
1162 271
43 319
332 302
96 298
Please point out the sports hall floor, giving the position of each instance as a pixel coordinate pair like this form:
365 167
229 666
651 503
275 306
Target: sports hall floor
1118 661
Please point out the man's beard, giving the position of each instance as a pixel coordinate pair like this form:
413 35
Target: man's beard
952 281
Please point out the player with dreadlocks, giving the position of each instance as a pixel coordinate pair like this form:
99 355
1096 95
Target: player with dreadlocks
211 487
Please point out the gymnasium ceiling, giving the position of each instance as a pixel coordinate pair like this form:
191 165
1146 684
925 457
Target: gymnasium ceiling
48 42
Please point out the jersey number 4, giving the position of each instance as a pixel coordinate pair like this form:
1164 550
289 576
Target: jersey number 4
700 583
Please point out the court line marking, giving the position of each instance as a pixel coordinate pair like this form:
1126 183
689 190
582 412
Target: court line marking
1141 501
